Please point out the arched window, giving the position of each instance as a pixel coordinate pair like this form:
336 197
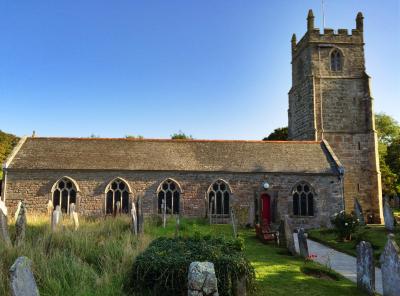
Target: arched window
170 191
218 199
117 191
64 193
336 60
303 200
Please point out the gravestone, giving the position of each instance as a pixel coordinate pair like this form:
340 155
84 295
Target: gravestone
281 234
359 212
397 201
212 204
56 219
140 216
5 236
239 286
177 224
134 219
72 209
202 280
388 216
303 245
164 212
251 215
50 208
390 267
17 211
289 236
117 208
22 281
76 220
20 226
233 221
365 267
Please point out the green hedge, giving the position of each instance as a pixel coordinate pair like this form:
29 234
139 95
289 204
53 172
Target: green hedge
163 268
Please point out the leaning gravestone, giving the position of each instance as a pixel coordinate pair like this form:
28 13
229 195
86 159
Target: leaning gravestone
72 209
57 217
5 236
202 280
390 267
17 211
365 267
134 219
359 212
22 281
164 212
239 286
388 216
303 246
20 226
289 236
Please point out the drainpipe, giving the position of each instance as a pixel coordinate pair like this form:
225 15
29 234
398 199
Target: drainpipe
341 177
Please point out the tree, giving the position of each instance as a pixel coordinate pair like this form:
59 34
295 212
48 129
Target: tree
181 136
7 143
388 131
279 134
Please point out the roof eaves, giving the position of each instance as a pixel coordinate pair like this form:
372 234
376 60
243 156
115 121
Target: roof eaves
10 158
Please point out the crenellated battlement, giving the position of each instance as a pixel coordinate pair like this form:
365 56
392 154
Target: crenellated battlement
329 35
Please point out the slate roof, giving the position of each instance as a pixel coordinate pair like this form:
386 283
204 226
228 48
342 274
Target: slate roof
173 155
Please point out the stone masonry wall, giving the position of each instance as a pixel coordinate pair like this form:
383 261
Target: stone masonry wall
35 188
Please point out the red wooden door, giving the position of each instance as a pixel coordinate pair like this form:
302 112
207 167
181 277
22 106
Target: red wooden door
265 209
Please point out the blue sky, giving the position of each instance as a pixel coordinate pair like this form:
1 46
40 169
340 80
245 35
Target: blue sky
211 68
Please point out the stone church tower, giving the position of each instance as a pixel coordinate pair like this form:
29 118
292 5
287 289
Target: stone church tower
330 100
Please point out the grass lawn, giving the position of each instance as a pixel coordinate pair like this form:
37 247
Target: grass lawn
96 259
375 234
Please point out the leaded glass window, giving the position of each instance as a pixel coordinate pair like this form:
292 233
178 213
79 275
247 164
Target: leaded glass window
168 191
117 192
336 60
64 194
219 198
303 200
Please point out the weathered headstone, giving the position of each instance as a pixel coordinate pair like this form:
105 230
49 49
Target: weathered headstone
397 201
164 212
289 236
20 226
281 234
117 208
390 267
359 212
5 236
239 286
140 216
50 208
388 216
72 209
17 211
57 217
233 222
303 245
212 205
365 267
76 220
134 219
251 215
22 281
202 280
177 224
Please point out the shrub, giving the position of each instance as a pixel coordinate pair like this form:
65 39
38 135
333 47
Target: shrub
345 225
163 268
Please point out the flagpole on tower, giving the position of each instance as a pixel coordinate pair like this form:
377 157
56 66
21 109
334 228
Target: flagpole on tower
323 15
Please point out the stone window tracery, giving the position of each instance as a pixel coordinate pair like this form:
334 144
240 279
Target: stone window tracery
169 190
219 199
117 191
303 200
336 60
64 194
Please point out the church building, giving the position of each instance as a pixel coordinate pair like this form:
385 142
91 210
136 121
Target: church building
330 159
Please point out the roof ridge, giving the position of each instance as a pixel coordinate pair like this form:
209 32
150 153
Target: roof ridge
174 140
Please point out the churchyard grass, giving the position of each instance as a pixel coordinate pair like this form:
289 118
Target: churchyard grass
375 234
96 259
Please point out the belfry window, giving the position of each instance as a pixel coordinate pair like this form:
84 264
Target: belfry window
117 197
219 199
303 200
64 194
336 60
170 192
